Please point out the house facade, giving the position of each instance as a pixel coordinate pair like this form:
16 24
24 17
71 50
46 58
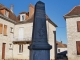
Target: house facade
73 33
61 47
16 33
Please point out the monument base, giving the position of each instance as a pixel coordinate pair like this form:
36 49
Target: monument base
39 54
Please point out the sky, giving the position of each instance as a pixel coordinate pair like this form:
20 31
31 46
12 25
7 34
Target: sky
55 9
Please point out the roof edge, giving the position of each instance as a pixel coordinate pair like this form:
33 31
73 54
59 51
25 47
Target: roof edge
70 11
71 16
52 22
8 19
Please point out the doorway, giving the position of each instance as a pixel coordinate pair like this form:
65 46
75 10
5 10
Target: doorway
3 50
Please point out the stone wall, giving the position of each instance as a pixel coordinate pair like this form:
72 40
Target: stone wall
61 50
72 36
13 51
28 33
50 29
6 39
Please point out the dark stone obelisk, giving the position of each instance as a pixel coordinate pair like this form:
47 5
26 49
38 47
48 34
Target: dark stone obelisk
39 48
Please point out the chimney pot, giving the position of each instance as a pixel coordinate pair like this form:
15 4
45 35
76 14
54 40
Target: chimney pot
11 7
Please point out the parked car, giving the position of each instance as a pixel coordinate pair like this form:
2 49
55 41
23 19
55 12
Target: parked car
62 56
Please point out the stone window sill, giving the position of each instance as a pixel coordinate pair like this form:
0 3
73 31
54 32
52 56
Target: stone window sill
20 53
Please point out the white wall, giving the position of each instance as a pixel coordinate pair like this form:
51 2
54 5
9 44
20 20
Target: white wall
28 33
61 50
72 36
14 51
6 39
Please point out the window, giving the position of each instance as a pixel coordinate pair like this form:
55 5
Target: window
5 30
1 27
22 17
58 50
20 48
78 26
6 13
78 47
21 33
11 30
10 45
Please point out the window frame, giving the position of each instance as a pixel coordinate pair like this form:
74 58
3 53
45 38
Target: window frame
11 30
22 16
20 48
21 33
78 24
78 47
6 13
58 50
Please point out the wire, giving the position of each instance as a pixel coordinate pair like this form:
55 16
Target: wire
61 27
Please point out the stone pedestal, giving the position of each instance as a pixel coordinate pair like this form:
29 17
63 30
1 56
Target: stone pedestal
40 55
39 48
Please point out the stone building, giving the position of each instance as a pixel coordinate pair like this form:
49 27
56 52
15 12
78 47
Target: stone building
16 33
73 33
61 47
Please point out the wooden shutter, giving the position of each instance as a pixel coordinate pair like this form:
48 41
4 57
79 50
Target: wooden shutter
78 47
78 26
1 27
5 29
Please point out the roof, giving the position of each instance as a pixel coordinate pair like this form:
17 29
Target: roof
30 19
47 18
11 14
61 45
25 13
17 18
74 12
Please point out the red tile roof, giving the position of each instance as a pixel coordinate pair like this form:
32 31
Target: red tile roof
11 14
74 11
27 13
30 19
17 19
61 45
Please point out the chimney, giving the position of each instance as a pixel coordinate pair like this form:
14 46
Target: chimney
11 8
31 10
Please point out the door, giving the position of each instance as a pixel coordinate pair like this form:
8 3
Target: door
21 33
3 50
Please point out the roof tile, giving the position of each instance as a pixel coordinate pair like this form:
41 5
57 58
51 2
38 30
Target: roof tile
74 11
11 15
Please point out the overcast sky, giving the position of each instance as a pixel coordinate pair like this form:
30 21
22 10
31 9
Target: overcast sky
55 9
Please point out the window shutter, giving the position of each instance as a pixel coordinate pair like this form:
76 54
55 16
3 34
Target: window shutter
5 29
78 26
1 26
78 47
